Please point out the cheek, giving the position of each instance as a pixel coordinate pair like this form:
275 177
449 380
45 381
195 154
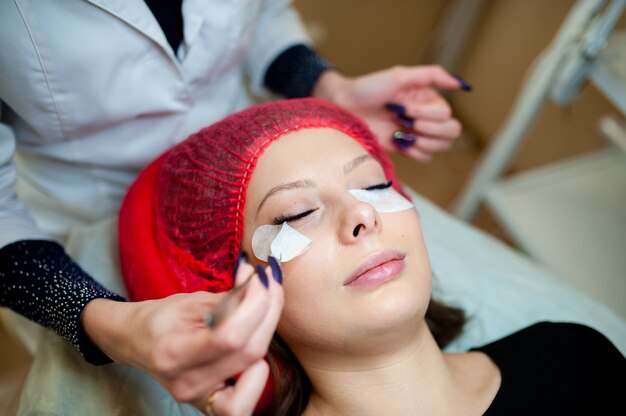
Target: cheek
411 294
310 284
404 228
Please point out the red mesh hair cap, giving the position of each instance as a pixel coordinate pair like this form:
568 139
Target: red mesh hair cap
181 223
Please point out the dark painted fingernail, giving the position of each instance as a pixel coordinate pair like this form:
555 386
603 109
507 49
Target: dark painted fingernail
243 257
404 140
465 86
396 108
262 276
406 121
276 271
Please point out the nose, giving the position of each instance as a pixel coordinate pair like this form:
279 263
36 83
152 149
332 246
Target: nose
360 220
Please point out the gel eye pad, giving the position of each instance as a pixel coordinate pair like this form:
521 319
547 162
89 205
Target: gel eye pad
383 200
279 241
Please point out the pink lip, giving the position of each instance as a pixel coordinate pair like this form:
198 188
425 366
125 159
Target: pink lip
377 268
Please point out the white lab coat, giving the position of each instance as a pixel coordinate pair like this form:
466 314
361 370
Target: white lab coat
91 91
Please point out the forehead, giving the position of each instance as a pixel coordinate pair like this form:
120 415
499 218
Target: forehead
307 147
310 153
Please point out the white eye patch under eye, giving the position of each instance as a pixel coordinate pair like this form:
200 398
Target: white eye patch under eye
279 241
383 200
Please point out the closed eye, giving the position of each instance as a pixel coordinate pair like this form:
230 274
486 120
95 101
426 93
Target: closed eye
378 187
291 218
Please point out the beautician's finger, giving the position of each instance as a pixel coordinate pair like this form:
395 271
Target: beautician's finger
241 399
418 154
235 331
427 76
448 129
262 337
425 147
436 111
426 103
244 269
432 145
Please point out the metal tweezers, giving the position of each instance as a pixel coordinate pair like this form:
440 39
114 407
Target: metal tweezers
227 305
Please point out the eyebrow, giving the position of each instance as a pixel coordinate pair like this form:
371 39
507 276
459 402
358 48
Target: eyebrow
300 184
354 163
308 183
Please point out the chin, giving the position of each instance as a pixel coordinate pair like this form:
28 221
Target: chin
394 307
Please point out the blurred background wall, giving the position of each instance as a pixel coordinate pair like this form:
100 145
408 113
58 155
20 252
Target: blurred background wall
366 35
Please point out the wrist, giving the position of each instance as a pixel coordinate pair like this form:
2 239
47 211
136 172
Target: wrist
105 322
332 86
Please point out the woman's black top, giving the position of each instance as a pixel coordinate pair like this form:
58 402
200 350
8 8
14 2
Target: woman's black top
557 369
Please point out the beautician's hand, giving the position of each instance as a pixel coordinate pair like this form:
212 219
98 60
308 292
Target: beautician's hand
413 90
168 339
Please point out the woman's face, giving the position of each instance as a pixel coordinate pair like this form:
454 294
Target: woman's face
306 175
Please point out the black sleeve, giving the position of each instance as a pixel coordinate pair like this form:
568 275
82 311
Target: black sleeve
294 72
41 282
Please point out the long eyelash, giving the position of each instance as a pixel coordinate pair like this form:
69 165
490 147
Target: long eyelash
284 218
380 186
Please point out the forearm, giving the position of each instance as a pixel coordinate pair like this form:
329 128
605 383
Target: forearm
39 281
